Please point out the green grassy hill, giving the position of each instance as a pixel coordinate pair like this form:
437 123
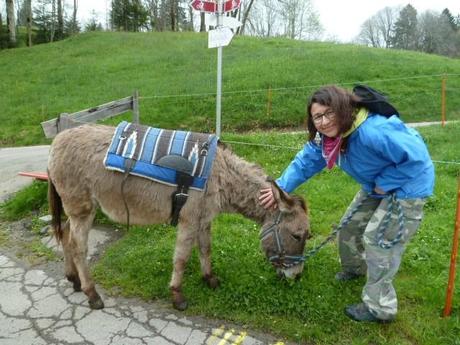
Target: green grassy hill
91 69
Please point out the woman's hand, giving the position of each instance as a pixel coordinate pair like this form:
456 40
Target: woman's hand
267 199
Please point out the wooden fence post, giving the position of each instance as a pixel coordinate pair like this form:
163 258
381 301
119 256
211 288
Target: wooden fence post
136 107
443 101
453 258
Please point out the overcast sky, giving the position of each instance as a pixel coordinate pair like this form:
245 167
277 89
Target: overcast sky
341 19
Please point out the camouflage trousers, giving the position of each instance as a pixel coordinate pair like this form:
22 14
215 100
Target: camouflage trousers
361 254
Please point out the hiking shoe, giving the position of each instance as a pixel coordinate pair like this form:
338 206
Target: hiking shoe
360 312
345 276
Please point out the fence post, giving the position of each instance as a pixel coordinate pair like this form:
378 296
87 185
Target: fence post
443 101
136 107
453 258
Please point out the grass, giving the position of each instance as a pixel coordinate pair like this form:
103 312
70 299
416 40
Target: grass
310 310
32 197
90 69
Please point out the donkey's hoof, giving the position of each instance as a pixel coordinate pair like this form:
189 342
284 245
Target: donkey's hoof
179 302
212 281
75 282
96 304
180 305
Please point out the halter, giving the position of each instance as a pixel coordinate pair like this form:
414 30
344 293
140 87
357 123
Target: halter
280 260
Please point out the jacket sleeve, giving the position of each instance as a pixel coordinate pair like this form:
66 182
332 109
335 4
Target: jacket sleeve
307 162
405 151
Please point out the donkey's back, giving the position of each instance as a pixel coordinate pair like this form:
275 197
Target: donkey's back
76 168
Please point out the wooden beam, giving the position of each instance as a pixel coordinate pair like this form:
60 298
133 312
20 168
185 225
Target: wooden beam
104 111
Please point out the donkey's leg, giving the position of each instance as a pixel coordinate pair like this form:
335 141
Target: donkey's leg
185 239
70 269
79 228
204 245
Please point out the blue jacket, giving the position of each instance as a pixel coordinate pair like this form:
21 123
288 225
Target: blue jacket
381 152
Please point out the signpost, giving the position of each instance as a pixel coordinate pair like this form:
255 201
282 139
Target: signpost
218 38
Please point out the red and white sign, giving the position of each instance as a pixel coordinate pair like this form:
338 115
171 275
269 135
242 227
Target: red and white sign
211 6
230 5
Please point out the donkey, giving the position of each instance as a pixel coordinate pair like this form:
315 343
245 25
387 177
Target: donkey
79 183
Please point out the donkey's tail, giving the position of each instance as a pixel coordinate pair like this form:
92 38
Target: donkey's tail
56 210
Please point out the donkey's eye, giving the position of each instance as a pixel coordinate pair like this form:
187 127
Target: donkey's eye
296 237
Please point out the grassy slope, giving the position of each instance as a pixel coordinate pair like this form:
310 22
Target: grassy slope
91 69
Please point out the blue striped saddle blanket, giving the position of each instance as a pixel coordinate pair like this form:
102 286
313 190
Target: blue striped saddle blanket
146 146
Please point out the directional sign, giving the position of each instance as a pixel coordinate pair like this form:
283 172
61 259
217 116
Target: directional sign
211 6
229 22
230 5
204 6
219 37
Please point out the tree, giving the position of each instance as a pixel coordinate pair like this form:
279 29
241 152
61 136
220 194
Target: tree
369 34
295 19
300 21
405 29
128 15
74 28
29 22
449 18
376 31
245 17
264 21
42 20
60 21
11 21
93 23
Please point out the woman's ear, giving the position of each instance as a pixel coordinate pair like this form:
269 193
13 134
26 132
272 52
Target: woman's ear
284 201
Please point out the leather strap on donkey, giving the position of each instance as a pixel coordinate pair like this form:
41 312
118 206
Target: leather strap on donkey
184 180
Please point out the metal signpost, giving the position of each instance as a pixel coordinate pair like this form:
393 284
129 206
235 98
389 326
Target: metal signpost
218 38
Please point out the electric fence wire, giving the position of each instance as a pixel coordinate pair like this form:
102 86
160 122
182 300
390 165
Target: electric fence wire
299 87
271 146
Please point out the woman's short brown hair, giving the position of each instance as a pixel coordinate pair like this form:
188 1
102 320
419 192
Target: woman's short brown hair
342 102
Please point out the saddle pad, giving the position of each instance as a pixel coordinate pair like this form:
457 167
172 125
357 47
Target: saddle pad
145 145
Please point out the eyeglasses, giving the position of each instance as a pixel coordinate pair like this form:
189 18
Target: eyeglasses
318 118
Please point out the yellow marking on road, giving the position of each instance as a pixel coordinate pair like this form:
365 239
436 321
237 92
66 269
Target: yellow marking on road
215 336
240 338
220 336
227 336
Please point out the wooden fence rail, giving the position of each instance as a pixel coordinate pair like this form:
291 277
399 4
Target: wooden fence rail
52 127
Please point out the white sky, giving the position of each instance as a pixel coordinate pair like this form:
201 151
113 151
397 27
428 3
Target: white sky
342 19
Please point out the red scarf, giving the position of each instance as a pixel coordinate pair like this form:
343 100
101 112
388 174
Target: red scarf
331 150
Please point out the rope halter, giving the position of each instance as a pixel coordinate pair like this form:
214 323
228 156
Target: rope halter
280 259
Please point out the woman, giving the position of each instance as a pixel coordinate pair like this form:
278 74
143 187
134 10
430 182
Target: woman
392 164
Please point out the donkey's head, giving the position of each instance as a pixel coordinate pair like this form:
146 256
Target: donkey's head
285 232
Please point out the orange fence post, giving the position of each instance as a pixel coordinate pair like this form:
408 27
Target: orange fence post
443 101
453 258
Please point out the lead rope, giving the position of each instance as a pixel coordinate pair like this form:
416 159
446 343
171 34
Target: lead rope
381 230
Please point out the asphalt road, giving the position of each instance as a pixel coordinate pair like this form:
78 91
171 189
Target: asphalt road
16 159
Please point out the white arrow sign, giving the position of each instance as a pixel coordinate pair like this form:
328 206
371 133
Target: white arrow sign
229 22
219 37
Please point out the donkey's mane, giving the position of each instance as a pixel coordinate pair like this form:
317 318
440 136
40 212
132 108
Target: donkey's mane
254 167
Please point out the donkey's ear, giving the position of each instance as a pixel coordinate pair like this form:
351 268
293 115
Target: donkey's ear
284 201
